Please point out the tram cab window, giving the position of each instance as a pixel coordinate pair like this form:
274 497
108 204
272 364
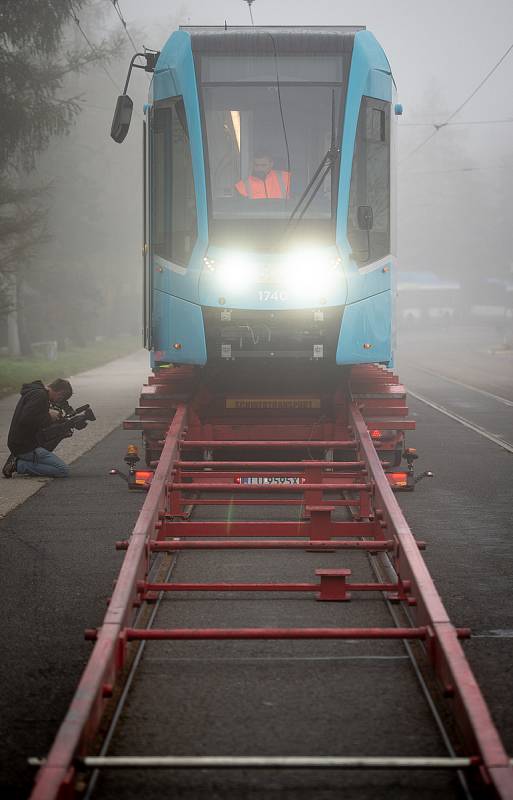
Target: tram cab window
370 184
173 197
248 115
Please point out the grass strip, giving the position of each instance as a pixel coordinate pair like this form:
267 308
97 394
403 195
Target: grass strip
16 371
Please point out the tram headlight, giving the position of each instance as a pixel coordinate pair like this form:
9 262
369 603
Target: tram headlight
309 271
234 272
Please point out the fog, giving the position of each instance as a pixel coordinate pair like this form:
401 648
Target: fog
454 190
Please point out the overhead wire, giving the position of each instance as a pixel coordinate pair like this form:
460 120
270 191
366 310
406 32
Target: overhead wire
462 169
250 3
92 47
438 127
95 51
280 100
478 87
450 124
118 11
123 21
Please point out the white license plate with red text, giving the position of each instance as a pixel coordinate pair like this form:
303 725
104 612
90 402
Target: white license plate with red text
269 480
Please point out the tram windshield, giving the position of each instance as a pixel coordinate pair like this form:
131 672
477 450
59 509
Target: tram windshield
270 123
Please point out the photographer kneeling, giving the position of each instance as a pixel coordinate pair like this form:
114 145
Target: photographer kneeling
32 421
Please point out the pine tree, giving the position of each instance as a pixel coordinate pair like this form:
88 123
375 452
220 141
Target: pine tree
34 63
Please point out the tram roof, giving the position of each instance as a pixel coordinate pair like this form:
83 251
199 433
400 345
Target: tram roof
321 39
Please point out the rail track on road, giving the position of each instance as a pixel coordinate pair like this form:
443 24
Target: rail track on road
492 437
444 407
502 400
284 482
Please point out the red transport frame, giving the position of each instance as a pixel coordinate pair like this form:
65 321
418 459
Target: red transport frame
201 456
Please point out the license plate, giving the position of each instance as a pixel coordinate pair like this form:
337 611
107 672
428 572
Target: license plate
269 480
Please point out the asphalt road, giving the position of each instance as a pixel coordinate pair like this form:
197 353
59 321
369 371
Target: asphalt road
59 562
465 513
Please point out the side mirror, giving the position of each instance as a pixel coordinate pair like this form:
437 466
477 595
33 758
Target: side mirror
365 218
122 117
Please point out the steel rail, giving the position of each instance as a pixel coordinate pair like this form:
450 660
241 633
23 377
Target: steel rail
95 687
456 382
447 657
382 563
465 422
383 570
127 685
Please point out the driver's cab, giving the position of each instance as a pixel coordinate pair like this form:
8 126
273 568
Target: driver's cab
269 118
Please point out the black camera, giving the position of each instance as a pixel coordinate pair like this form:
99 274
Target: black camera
70 419
79 417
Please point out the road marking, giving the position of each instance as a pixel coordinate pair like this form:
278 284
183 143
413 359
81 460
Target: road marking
476 428
497 397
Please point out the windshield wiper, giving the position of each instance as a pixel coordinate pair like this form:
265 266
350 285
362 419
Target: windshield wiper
327 164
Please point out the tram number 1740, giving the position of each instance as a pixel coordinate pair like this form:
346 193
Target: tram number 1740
264 295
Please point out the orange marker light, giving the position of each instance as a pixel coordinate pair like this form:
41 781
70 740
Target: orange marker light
375 434
143 476
398 479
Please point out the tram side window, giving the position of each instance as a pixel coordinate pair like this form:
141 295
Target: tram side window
173 196
370 184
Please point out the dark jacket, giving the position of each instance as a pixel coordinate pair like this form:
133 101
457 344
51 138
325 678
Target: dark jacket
30 416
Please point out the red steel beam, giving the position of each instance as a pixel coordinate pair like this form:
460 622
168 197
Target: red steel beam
395 424
271 544
432 624
259 529
245 501
470 710
384 411
134 634
300 487
271 465
207 444
261 587
216 475
145 424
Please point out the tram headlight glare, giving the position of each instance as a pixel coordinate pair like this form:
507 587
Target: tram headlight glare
309 271
235 272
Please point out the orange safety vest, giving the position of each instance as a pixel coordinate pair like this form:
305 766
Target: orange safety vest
275 185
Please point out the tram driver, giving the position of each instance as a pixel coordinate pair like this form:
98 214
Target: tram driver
265 181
